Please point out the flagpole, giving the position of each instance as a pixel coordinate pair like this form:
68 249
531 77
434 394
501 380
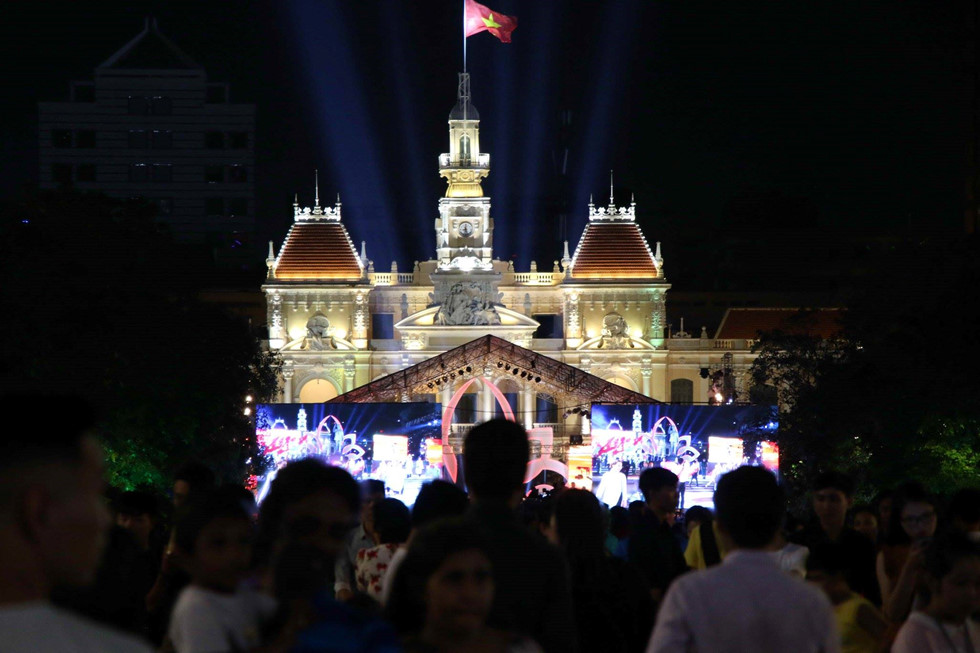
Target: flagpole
464 36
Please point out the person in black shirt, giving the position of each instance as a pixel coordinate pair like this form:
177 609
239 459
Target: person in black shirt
532 594
833 494
653 549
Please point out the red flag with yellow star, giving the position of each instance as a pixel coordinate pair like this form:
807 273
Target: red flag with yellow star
483 19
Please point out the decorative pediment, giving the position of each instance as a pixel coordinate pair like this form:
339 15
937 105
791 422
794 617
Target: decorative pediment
420 331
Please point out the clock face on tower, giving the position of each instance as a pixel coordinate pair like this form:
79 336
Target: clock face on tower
465 229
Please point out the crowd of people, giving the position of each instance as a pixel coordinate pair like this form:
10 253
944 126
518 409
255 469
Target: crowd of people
328 564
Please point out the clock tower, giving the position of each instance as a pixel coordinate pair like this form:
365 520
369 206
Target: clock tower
465 281
464 229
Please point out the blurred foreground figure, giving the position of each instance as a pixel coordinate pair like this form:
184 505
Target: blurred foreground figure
746 603
443 591
532 595
53 526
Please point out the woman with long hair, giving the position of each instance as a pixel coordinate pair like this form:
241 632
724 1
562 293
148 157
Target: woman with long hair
443 591
613 608
914 518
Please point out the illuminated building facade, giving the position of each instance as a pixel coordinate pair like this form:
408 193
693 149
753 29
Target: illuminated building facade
342 325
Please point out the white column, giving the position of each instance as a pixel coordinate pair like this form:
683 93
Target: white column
530 407
287 386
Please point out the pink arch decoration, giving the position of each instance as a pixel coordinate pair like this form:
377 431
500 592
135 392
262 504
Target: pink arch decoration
449 459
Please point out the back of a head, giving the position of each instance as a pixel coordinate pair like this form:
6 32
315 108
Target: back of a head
198 476
495 457
430 548
437 500
297 481
372 489
654 479
698 514
834 480
202 509
964 507
137 503
581 527
392 521
944 552
749 506
60 445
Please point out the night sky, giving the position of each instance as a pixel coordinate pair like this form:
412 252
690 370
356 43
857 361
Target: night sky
749 118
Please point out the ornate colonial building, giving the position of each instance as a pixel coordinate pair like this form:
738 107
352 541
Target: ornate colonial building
589 327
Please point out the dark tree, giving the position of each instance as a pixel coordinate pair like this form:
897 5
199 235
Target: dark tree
102 303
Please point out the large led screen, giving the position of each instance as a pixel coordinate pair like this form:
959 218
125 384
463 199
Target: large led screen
398 443
698 443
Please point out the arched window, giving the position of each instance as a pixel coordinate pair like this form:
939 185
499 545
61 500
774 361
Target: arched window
317 391
464 148
682 391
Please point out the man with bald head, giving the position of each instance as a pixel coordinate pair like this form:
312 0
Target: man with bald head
53 525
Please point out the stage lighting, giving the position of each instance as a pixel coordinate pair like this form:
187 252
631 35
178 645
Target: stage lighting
461 370
516 371
575 439
704 372
523 374
429 384
500 363
719 397
468 369
507 367
537 379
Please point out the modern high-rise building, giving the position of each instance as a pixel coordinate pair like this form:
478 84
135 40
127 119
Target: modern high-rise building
150 124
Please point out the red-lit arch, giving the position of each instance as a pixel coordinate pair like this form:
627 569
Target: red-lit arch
448 458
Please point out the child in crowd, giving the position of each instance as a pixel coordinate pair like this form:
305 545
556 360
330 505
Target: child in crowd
389 529
865 521
214 613
859 623
952 567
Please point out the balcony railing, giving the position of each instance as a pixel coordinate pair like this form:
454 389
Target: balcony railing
480 161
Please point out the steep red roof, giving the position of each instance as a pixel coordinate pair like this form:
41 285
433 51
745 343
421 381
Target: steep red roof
319 249
748 323
613 250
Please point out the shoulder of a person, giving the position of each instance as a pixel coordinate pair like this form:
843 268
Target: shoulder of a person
89 635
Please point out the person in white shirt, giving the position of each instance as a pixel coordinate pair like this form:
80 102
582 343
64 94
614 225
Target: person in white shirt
746 603
53 526
612 489
215 613
952 567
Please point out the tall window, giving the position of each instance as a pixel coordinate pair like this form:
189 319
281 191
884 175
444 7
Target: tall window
238 140
85 172
464 148
61 173
61 137
162 172
85 138
214 174
163 139
137 139
237 173
682 391
214 140
138 106
161 106
138 172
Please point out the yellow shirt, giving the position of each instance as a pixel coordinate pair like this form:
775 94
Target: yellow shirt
854 639
694 555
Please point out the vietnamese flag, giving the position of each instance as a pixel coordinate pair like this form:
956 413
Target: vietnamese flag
483 19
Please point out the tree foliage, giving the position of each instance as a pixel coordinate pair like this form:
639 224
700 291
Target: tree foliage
103 304
893 396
